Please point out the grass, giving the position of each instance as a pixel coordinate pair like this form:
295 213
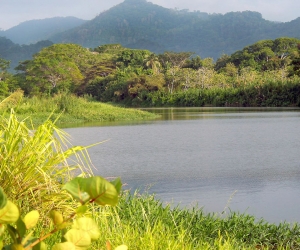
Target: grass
142 222
66 108
34 162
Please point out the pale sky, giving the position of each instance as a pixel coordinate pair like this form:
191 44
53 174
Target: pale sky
13 12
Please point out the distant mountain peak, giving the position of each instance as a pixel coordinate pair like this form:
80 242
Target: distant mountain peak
135 1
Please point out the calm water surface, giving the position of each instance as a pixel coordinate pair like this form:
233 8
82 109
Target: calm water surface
246 159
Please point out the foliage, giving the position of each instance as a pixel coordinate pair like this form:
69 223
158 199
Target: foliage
4 75
78 233
263 55
33 177
112 73
295 64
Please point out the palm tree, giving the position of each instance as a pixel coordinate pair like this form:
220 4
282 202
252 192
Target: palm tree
153 63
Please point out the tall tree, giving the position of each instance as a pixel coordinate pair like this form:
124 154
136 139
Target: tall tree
295 64
4 65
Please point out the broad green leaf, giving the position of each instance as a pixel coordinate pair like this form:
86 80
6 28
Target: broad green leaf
122 247
118 184
9 214
31 219
3 198
88 225
21 227
56 217
101 191
64 246
75 188
41 246
81 210
79 238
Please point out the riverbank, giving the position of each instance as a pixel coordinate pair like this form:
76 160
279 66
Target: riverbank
139 221
67 109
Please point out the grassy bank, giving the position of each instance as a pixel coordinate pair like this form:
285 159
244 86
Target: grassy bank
142 222
69 109
269 94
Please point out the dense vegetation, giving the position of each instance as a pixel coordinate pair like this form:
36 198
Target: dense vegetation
67 109
263 74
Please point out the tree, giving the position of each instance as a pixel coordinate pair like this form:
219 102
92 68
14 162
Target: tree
60 67
172 63
133 57
263 55
194 63
152 62
57 72
4 65
295 64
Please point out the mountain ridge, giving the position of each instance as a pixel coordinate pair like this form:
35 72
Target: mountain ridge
143 25
36 30
139 24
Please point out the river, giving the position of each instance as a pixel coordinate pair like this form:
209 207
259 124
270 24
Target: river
221 159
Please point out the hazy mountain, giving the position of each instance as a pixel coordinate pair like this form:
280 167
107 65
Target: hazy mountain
144 25
36 30
16 53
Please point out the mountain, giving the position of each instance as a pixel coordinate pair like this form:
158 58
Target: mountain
36 30
144 25
15 53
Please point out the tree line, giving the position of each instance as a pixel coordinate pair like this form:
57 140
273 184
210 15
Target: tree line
112 73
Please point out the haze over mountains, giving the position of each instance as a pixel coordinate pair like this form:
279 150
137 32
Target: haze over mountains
144 25
34 31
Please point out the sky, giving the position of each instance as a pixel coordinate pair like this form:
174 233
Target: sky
13 12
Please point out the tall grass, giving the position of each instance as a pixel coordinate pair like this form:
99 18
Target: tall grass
269 94
35 161
70 109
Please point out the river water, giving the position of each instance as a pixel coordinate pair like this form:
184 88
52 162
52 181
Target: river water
221 159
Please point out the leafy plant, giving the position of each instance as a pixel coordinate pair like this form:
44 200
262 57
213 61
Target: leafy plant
78 230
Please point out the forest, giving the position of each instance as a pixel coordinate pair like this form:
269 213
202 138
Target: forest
265 73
